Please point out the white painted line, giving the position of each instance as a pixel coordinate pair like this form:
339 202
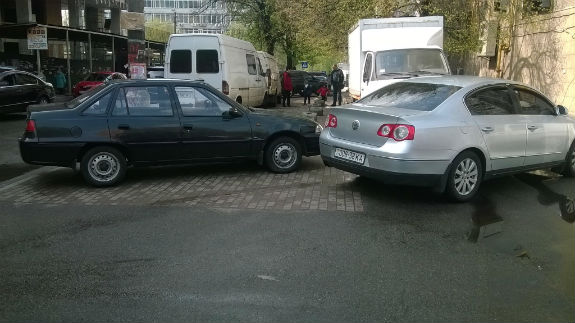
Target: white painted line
26 177
265 277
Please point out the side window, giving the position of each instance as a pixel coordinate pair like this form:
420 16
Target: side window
196 101
532 103
491 101
260 69
207 61
99 107
9 79
148 101
367 67
23 79
181 61
251 60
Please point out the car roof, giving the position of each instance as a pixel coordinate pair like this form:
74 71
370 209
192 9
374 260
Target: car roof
461 80
154 80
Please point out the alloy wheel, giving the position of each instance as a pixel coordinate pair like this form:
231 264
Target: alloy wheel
466 176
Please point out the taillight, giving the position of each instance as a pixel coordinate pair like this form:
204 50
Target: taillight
30 126
397 132
331 121
225 88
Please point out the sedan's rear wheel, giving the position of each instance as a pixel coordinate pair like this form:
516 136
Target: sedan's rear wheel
103 166
464 177
569 169
43 100
283 155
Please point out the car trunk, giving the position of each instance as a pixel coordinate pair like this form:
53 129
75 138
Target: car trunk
370 119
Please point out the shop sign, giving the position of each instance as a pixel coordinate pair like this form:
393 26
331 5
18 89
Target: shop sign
37 38
138 71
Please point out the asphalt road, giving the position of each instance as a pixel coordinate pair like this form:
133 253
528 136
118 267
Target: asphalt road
406 255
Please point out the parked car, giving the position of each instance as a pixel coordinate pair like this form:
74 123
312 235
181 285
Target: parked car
155 122
228 64
92 80
156 72
19 89
450 132
301 78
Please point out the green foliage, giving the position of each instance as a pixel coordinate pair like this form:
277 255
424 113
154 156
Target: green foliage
157 30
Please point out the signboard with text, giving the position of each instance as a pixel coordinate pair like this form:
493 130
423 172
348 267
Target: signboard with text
37 38
138 71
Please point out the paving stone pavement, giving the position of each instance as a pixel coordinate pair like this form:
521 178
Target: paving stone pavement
243 186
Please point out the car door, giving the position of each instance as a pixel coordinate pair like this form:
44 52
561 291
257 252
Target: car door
208 130
503 130
547 139
8 93
367 85
30 87
144 121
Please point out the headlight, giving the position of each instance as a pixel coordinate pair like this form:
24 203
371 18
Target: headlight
318 129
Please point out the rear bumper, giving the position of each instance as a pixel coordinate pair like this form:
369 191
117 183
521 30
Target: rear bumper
49 154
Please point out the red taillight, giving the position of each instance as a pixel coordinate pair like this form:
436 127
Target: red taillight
331 121
225 88
397 132
30 126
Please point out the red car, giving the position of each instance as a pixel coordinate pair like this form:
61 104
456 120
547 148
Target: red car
93 79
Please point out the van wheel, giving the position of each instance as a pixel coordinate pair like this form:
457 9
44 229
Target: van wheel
103 166
239 99
569 168
464 177
283 155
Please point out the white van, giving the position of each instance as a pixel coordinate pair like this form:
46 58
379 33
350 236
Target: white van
229 64
271 70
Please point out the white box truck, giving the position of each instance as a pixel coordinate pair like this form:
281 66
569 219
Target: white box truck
229 64
385 50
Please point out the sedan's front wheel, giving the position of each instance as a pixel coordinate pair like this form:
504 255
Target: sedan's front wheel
569 169
464 177
283 155
103 166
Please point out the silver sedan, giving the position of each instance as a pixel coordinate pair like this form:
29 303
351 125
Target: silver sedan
449 132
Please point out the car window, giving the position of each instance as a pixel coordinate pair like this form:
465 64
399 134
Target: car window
531 103
24 79
207 61
491 101
9 79
181 61
143 101
100 106
367 68
196 101
412 96
260 69
251 60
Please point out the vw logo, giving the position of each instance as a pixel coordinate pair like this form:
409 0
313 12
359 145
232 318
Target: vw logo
355 125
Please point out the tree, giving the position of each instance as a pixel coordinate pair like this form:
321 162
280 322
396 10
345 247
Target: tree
157 30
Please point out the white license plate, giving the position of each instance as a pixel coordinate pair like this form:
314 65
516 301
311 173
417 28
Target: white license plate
349 155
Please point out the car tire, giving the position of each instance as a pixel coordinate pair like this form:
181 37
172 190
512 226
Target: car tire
103 166
464 177
43 100
569 168
283 155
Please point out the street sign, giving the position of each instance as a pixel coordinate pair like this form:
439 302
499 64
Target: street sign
304 64
138 71
37 38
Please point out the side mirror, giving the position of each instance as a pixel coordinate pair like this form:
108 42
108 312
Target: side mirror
232 113
560 110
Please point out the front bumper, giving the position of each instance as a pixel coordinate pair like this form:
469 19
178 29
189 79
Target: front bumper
311 142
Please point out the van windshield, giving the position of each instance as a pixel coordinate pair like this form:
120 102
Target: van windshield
409 61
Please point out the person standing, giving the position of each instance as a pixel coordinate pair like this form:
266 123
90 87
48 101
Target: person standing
307 91
287 87
336 79
60 80
322 91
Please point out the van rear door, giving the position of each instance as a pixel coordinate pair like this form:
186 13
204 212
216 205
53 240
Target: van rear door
207 56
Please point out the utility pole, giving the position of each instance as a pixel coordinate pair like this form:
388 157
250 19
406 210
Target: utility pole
175 21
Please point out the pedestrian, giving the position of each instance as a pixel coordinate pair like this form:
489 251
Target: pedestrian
60 80
287 87
307 91
336 79
322 91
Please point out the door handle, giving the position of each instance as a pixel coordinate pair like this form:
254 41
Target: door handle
188 127
532 128
124 126
487 129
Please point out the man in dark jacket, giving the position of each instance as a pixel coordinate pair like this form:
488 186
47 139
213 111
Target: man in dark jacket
336 80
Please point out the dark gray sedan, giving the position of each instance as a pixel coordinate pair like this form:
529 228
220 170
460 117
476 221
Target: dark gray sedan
19 89
157 122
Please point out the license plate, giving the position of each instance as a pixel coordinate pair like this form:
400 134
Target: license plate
349 155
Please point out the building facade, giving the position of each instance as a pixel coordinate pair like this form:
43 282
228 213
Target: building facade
190 16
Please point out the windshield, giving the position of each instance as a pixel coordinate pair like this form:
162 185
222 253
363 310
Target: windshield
412 96
77 101
409 61
97 77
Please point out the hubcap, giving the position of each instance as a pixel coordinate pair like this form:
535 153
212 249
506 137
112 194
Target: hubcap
104 167
285 155
466 176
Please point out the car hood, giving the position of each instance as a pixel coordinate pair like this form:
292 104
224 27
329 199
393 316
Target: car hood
47 107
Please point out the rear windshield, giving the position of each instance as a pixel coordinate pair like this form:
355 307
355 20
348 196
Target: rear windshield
97 77
412 96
